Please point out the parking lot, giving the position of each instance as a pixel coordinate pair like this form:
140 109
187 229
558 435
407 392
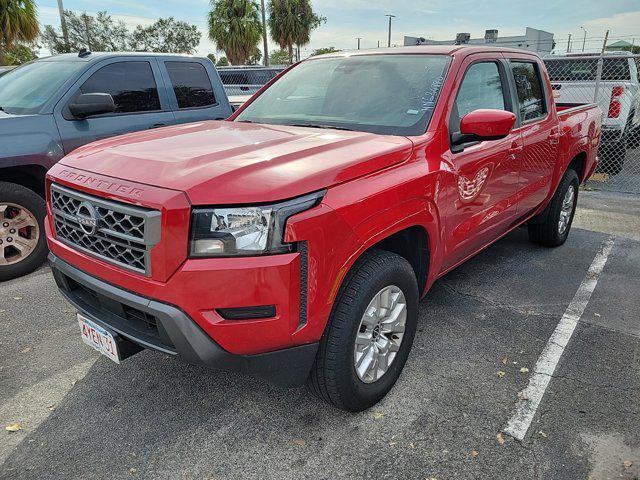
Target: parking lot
480 328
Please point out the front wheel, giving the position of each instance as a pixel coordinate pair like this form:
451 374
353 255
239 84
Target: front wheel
369 334
554 230
23 246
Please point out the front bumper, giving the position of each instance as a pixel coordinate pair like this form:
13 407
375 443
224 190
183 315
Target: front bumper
168 329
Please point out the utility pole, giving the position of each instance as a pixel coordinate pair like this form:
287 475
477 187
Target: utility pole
358 38
390 17
264 35
569 44
63 24
378 43
584 39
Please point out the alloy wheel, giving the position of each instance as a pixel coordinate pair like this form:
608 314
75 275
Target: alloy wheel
380 334
19 233
566 210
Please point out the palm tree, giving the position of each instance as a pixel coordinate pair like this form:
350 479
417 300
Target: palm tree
291 23
18 23
235 27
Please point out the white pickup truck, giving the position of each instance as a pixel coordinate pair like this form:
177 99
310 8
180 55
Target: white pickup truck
573 80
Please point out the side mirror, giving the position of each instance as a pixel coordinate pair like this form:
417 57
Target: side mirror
482 125
89 104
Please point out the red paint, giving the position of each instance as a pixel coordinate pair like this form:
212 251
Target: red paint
375 186
487 123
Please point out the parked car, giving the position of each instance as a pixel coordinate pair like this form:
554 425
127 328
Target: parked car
295 239
6 69
573 79
247 80
52 106
237 101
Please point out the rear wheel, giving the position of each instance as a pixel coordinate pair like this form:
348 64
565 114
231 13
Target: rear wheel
23 247
369 334
554 230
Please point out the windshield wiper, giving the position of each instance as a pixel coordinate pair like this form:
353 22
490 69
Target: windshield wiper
315 125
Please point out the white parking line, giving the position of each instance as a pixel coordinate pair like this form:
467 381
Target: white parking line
543 370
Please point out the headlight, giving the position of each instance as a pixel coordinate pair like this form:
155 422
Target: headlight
243 231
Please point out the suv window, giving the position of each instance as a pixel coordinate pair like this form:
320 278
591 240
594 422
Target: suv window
481 88
191 84
131 84
529 88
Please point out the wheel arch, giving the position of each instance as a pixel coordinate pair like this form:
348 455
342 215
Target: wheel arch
29 176
578 164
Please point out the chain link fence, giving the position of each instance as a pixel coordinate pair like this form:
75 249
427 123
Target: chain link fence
246 80
609 79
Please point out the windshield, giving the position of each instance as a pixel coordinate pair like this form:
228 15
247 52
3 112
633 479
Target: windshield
26 89
385 94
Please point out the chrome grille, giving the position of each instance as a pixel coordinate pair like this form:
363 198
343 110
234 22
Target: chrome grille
116 232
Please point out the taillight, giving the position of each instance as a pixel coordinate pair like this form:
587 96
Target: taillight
614 105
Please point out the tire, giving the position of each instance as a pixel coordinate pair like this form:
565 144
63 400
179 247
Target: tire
549 232
634 138
13 262
632 132
333 377
612 158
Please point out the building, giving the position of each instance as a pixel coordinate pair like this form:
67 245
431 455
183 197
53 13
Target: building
533 40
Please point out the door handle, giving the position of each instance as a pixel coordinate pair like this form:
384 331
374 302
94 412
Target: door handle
157 125
515 150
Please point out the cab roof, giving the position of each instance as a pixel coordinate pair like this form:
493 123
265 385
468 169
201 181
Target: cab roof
451 50
95 56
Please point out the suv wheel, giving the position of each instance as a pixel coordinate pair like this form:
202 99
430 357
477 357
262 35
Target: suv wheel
612 158
369 334
554 230
23 246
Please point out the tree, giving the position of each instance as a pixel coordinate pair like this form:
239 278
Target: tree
103 34
223 62
255 58
322 51
236 28
212 57
18 23
20 53
99 34
167 35
291 23
279 57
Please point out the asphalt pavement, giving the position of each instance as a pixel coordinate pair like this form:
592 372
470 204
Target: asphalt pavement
480 329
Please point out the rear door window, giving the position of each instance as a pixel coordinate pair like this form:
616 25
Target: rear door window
191 84
531 100
131 84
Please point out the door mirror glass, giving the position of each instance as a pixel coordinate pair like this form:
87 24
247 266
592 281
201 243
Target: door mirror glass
484 124
89 104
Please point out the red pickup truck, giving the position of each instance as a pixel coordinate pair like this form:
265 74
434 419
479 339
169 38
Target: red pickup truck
294 240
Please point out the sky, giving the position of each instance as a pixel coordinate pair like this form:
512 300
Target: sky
433 19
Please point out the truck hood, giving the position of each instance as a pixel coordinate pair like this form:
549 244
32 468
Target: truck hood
228 162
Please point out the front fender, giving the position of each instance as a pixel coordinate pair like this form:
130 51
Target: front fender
29 140
351 219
